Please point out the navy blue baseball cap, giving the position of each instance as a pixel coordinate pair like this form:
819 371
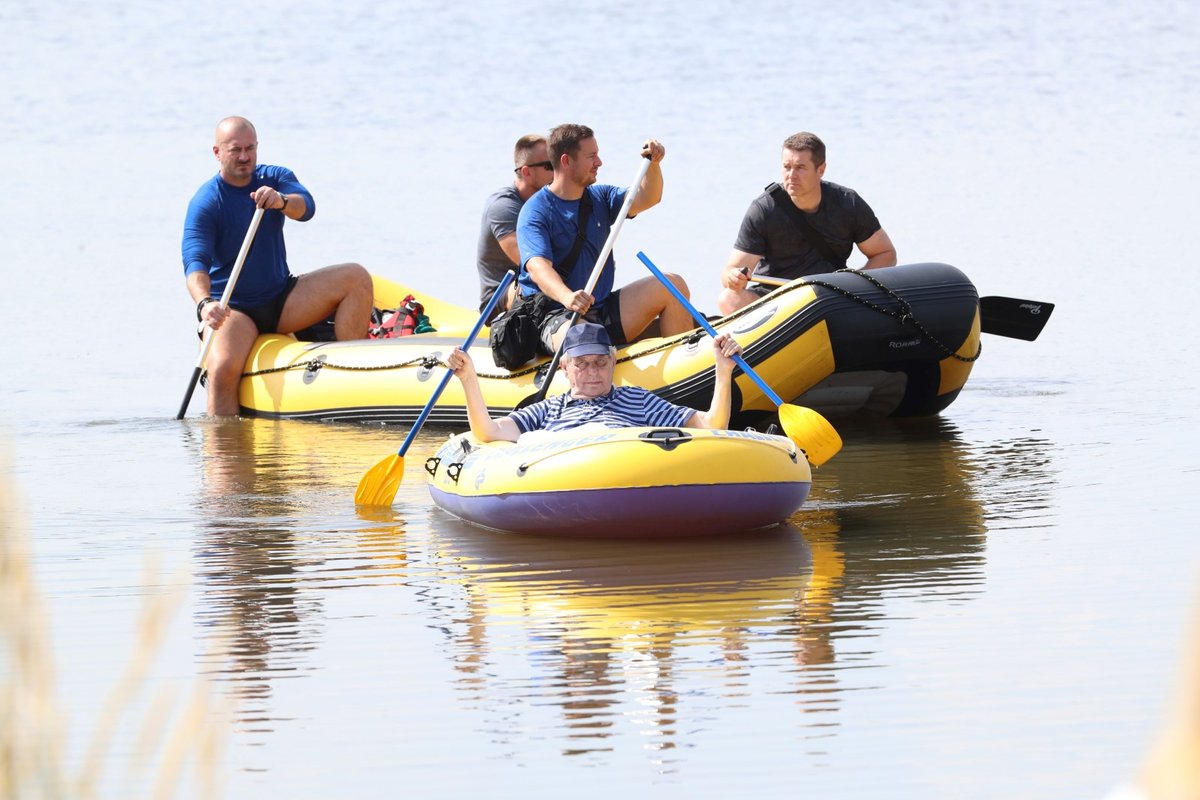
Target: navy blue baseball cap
586 339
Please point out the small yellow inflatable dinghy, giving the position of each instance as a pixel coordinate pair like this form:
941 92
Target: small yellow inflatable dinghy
622 482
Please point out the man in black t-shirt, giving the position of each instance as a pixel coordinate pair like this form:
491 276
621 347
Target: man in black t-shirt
801 226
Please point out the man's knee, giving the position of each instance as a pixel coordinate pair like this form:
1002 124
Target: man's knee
357 278
730 300
552 331
661 294
649 293
223 373
357 291
679 284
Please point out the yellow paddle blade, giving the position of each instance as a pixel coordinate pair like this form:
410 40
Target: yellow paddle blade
378 486
811 432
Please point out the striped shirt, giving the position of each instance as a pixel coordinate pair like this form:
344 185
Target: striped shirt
623 407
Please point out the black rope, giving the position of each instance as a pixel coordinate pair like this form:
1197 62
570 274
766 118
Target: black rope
905 317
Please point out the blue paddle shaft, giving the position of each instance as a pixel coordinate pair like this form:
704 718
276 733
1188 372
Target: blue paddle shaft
700 318
487 312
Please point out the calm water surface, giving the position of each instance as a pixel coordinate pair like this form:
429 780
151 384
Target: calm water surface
986 604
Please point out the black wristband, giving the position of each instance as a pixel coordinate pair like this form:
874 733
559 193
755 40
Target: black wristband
200 307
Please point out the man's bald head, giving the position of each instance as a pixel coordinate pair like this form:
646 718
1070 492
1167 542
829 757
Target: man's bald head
233 125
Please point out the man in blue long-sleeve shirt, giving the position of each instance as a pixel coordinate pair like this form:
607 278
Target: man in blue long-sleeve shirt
267 297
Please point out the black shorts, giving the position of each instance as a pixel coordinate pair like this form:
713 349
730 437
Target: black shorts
266 316
609 316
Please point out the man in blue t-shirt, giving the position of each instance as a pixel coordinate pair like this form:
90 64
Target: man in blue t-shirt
549 224
588 360
267 298
801 226
496 252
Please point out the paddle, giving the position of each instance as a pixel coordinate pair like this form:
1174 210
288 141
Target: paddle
811 432
1016 319
233 276
999 316
378 486
593 279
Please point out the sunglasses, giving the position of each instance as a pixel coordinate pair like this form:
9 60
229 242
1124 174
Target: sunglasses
543 164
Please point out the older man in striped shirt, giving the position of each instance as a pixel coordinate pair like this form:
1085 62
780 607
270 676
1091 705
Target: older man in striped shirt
589 359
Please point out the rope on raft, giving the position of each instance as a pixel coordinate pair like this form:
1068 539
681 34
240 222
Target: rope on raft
903 315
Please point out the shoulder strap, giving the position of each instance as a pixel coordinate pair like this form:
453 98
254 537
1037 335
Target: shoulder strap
806 228
585 213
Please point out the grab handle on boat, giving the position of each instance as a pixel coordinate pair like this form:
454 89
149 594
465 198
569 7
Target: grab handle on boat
666 438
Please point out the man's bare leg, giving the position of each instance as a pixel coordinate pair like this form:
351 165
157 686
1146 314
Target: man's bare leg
344 291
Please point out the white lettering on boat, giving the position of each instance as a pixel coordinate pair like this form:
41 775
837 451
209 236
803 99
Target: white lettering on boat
753 435
754 320
523 450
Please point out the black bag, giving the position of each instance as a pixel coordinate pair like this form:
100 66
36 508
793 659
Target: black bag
516 335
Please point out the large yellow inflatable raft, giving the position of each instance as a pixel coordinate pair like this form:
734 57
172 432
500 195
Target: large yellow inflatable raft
622 482
899 341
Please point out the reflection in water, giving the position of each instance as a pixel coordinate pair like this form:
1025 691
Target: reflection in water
247 560
900 501
258 557
907 505
615 632
645 638
649 642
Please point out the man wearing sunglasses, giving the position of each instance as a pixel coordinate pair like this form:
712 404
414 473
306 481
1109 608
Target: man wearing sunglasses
496 252
588 360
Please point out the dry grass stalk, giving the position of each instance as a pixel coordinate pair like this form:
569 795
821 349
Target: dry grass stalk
32 743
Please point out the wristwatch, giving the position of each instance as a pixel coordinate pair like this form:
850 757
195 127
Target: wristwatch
200 307
285 201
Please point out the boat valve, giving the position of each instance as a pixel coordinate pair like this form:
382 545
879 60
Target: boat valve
312 368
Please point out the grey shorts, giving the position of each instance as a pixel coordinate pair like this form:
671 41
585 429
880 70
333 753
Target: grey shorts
609 315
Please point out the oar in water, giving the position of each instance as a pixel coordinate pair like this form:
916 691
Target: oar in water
593 279
811 432
233 276
999 316
378 485
1016 319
